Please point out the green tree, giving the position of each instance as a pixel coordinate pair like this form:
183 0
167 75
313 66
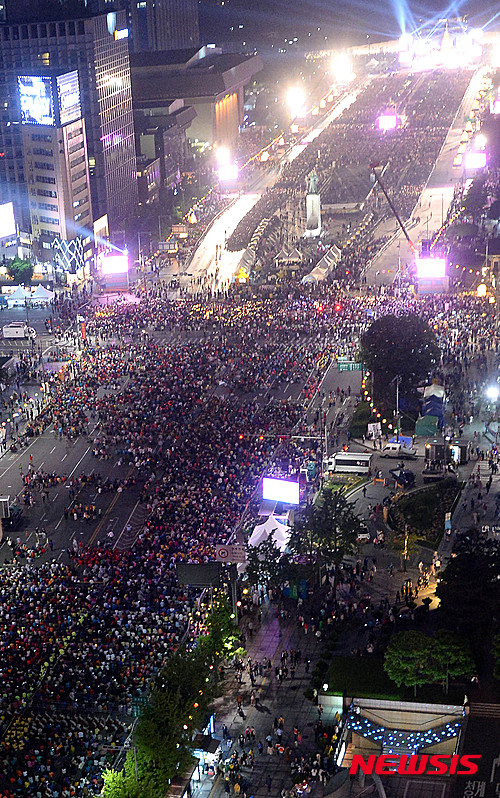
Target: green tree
470 592
406 546
329 530
21 271
406 660
222 639
398 345
450 658
265 564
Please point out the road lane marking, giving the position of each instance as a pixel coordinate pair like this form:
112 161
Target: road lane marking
52 450
126 524
87 450
59 522
64 458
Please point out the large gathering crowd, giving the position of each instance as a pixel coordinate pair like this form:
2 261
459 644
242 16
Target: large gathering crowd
425 107
189 395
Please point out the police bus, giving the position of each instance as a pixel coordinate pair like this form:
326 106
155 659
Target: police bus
349 463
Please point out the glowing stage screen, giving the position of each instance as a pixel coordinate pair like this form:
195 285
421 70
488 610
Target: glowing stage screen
387 122
431 268
7 221
114 264
228 172
36 100
280 490
475 160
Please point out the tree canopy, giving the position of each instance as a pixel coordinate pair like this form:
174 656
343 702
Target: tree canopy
406 659
470 592
20 270
328 530
413 659
266 565
399 345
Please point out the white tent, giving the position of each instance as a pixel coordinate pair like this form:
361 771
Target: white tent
41 296
271 526
17 298
325 266
434 390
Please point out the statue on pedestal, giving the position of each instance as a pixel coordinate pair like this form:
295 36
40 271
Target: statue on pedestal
312 182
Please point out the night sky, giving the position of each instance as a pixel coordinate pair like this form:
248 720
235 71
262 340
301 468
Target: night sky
348 22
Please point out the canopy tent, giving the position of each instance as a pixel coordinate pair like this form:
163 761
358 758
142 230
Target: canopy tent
434 390
42 295
324 266
271 527
17 298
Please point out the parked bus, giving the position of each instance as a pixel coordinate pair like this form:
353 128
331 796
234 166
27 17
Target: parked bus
349 463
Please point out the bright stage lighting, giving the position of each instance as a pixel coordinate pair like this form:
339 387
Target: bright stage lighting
222 155
295 100
342 68
430 268
228 172
475 160
387 122
480 141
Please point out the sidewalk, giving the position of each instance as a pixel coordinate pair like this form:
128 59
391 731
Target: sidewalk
275 699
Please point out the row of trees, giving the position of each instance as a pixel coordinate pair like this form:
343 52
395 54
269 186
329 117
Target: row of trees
413 659
177 706
325 532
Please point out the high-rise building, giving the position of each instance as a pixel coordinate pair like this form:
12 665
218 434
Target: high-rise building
97 48
56 162
164 24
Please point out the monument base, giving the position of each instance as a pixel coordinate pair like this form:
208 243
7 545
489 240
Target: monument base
313 216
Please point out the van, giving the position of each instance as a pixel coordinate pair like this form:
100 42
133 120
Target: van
348 463
398 450
18 329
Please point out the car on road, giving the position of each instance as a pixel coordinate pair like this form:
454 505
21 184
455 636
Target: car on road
398 450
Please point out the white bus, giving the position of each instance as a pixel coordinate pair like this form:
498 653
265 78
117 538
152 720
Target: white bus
349 463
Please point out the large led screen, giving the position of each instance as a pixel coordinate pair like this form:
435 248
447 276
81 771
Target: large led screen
68 96
431 268
475 160
280 490
7 221
36 100
114 264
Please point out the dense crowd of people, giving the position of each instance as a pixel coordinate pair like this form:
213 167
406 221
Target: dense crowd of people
425 106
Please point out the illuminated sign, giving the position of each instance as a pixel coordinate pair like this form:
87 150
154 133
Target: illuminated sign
280 490
431 268
68 96
36 100
387 122
475 160
121 34
7 221
114 264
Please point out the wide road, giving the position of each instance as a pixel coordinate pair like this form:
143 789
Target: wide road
434 201
204 261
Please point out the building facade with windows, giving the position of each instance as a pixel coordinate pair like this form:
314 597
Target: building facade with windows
164 24
97 48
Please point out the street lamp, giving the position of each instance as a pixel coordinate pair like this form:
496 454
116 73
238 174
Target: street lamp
492 392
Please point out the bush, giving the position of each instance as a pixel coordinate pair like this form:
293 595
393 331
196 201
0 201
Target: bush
360 420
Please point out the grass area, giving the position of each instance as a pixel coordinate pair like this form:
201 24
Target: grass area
423 510
363 677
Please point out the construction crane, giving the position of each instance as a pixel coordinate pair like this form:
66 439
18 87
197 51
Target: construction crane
377 179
